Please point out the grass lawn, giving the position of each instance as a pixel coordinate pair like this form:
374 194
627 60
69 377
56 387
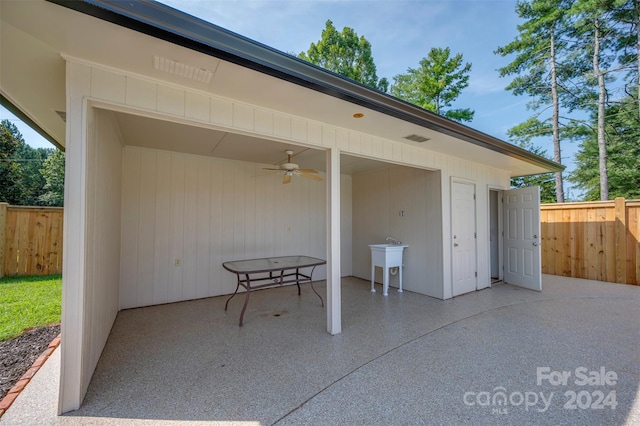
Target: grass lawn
28 302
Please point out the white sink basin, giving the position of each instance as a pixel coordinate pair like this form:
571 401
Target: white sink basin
386 256
388 246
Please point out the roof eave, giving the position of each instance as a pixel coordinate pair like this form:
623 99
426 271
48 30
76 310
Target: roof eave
166 23
26 119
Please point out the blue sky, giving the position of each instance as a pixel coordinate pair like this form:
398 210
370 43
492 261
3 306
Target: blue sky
401 33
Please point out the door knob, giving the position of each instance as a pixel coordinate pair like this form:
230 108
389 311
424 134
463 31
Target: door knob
455 244
535 243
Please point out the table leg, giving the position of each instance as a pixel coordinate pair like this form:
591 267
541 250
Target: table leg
234 293
313 288
373 275
297 279
246 299
385 281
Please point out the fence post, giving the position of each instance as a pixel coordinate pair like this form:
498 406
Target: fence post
3 235
621 240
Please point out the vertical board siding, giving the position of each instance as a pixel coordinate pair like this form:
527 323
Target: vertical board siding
184 215
32 241
104 198
378 198
162 234
597 241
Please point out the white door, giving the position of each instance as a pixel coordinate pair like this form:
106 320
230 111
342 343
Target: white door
463 237
522 237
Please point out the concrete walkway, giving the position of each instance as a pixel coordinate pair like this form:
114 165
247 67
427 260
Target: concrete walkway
403 359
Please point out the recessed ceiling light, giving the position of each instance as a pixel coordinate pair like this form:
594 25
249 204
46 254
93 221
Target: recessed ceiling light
416 138
358 115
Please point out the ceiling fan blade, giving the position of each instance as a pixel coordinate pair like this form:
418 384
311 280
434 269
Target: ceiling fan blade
307 171
314 177
264 168
287 179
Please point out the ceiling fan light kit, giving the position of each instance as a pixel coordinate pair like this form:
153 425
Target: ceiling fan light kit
291 169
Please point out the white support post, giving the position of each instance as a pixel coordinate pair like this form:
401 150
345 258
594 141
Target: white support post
72 342
334 314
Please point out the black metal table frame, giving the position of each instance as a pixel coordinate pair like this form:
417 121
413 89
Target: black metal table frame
272 280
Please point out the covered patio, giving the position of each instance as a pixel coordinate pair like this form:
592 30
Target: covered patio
404 359
167 123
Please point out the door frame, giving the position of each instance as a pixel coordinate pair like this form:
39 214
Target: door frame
451 230
500 190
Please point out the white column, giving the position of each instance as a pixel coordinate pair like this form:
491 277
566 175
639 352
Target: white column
73 279
334 314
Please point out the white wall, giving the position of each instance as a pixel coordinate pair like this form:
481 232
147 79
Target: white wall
484 180
378 198
91 248
204 211
346 224
104 167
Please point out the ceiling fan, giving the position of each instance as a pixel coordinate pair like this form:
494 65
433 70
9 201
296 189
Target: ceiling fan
291 169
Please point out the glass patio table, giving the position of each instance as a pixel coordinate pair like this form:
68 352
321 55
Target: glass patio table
270 272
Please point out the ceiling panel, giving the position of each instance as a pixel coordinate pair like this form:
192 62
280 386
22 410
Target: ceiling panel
154 133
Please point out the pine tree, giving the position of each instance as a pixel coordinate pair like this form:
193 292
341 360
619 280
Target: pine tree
539 71
435 84
347 54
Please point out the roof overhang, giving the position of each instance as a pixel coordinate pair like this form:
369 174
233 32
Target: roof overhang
325 92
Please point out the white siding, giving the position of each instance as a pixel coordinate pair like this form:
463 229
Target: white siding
104 163
483 177
183 215
378 199
346 225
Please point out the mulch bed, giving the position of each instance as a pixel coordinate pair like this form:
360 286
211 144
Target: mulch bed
18 354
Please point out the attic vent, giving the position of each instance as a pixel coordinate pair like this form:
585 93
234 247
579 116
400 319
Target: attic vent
416 138
183 70
62 115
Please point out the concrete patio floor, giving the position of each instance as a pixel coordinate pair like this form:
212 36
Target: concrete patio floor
401 359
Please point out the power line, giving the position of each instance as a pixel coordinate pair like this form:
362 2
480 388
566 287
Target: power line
20 160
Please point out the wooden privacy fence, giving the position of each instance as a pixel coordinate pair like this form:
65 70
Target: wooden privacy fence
597 240
30 240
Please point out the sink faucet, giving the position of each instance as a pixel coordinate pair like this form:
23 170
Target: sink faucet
394 241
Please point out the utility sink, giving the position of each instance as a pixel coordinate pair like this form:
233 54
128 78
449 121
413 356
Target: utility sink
386 256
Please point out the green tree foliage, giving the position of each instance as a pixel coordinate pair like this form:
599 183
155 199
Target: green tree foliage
627 15
436 84
28 176
623 154
10 140
347 54
30 161
545 181
540 72
53 172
